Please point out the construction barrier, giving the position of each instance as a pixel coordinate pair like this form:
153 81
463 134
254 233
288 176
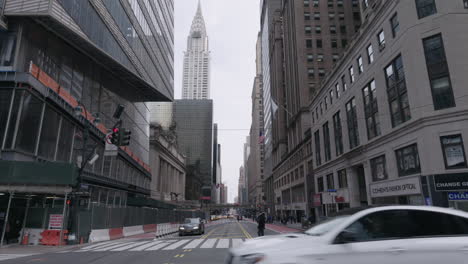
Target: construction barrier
52 237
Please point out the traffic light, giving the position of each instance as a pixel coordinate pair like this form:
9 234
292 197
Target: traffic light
125 137
115 136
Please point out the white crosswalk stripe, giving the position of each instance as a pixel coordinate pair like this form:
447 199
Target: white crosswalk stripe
145 246
223 243
194 243
176 245
236 242
12 256
209 243
112 247
128 246
158 246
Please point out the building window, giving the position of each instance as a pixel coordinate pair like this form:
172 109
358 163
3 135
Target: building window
360 65
317 16
334 43
310 58
326 102
425 8
338 134
331 96
439 77
330 182
320 57
308 29
321 72
378 168
319 43
381 39
331 15
318 158
318 29
465 3
370 54
307 16
395 24
343 29
454 152
351 74
337 90
326 141
343 82
341 16
333 29
321 108
335 57
344 43
365 4
308 43
311 72
306 3
320 185
342 179
397 93
371 110
408 160
316 3
339 3
353 131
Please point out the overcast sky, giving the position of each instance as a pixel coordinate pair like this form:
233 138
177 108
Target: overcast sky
232 31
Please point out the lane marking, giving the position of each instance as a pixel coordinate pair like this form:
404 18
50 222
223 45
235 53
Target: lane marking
158 246
247 235
177 244
211 232
236 242
100 245
129 246
194 243
223 243
111 247
143 247
209 243
187 250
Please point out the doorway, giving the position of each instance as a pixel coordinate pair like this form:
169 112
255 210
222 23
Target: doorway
362 185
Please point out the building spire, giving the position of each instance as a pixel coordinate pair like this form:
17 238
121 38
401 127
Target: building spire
199 10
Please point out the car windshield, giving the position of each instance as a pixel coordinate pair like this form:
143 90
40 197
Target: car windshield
326 226
192 221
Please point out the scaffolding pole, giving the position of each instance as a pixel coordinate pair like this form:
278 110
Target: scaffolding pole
6 219
63 218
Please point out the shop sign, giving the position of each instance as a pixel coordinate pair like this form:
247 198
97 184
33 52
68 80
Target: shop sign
55 221
317 199
451 182
406 186
458 196
339 199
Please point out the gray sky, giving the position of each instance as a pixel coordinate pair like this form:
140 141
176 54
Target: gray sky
232 31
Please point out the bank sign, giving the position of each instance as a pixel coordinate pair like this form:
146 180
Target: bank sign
451 182
457 196
406 186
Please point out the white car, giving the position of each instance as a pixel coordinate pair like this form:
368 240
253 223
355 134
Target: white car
380 235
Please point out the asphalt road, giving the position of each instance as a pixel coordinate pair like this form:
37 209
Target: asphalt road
212 247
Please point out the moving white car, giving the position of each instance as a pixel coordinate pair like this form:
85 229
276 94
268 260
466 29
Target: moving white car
380 235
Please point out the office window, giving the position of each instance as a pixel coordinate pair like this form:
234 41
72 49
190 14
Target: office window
341 16
360 65
331 96
318 158
335 57
307 16
378 168
318 30
308 29
337 90
321 72
454 152
408 160
319 43
371 110
351 74
330 182
320 185
316 3
320 57
333 29
343 82
311 72
306 3
439 76
397 93
343 29
308 43
381 39
326 102
342 179
330 3
344 43
353 130
326 141
395 24
331 15
365 4
310 58
370 54
317 16
338 134
321 108
425 8
334 43
313 117
339 3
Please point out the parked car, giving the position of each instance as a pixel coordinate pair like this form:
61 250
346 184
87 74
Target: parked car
384 235
192 226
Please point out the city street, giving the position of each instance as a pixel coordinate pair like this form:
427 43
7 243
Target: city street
211 247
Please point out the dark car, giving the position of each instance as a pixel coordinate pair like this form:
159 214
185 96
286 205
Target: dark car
192 226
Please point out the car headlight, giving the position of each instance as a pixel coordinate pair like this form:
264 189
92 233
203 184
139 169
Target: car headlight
195 227
181 228
252 258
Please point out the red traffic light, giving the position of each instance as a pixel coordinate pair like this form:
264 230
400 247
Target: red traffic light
115 130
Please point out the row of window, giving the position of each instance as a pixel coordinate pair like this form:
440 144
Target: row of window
295 175
330 3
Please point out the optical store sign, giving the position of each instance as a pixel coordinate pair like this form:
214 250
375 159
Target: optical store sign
408 186
451 182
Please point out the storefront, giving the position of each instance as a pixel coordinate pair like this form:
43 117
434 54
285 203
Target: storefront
334 201
405 190
452 190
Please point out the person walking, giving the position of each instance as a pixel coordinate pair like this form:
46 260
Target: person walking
261 224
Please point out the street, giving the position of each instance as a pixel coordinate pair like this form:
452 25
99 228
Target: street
211 247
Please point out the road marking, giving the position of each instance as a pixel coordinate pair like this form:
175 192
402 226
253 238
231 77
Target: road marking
211 232
177 244
223 243
209 243
181 255
187 250
128 246
153 248
237 242
13 256
111 247
100 245
145 246
176 256
247 235
194 243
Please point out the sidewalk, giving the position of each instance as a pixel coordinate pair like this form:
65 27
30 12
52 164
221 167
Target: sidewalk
280 228
34 250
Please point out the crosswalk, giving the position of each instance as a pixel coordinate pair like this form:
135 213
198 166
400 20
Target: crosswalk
12 256
163 244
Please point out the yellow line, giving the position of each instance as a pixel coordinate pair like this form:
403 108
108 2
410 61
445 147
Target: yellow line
181 256
211 232
247 235
176 256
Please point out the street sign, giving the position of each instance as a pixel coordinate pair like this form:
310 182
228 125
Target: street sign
331 190
55 221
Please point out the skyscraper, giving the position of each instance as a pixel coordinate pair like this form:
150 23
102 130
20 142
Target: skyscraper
196 78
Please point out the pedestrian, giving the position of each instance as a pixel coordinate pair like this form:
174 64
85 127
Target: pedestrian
261 224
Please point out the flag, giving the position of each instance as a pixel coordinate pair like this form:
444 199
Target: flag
274 107
261 137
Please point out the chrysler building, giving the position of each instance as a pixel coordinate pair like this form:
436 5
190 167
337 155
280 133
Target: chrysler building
196 79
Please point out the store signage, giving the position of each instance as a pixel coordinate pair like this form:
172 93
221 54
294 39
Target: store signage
55 221
339 199
458 196
317 199
451 182
205 198
406 186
